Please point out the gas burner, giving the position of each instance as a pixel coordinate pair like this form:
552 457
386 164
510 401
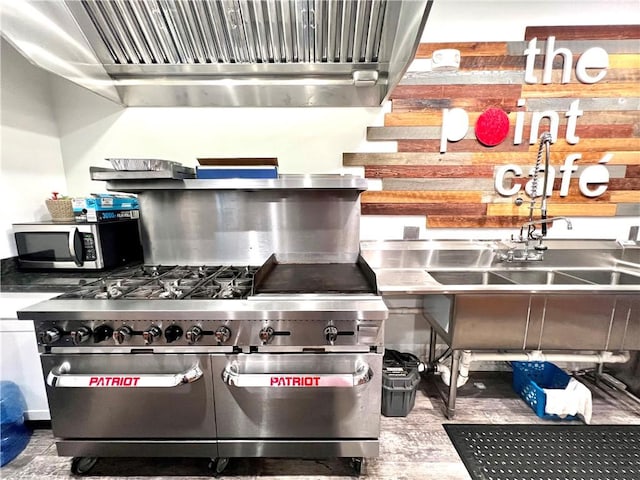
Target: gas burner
153 271
165 288
234 292
226 275
171 282
214 289
148 292
227 282
174 289
110 290
206 291
184 272
205 271
142 272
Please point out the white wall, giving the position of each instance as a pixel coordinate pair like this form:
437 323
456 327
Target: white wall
31 162
305 140
506 20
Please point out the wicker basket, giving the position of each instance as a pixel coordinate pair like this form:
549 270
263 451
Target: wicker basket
60 210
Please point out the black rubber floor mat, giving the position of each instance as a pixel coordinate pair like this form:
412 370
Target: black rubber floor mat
541 452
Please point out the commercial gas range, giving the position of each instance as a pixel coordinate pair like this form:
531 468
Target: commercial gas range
219 361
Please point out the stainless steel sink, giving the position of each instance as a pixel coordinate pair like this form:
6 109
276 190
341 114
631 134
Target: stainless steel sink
542 277
535 309
534 277
469 278
604 277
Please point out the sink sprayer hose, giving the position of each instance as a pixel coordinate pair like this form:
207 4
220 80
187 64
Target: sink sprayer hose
543 146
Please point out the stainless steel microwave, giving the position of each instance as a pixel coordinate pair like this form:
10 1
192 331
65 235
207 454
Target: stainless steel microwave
69 245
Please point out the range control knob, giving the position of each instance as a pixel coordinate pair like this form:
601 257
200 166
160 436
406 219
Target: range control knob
50 335
80 335
121 334
266 334
102 332
222 334
150 334
193 334
173 333
331 334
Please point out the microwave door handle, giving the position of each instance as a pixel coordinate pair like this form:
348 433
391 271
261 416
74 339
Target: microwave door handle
73 235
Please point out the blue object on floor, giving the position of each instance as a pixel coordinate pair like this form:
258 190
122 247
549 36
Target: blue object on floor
14 435
531 378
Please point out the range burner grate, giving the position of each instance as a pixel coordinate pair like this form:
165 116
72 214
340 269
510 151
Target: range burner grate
160 282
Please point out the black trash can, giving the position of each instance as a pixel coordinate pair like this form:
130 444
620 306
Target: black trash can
400 378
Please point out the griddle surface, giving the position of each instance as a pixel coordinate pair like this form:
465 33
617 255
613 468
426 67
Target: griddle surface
315 278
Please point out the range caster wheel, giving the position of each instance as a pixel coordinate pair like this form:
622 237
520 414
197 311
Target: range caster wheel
81 465
358 465
218 465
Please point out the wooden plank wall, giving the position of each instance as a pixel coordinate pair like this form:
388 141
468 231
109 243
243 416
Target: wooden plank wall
456 188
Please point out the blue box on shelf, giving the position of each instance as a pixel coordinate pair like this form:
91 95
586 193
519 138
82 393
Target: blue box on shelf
207 172
529 380
238 167
105 201
101 207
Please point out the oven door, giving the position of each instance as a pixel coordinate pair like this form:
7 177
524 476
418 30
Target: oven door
298 395
130 396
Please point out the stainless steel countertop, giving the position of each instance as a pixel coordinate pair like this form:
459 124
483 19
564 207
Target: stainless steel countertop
402 267
396 281
259 308
121 181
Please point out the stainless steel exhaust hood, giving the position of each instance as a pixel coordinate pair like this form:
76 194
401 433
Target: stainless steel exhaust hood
223 53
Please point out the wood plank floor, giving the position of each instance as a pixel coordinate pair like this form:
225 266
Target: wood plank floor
412 447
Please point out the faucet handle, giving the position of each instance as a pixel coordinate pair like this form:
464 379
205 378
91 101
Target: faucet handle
541 247
519 238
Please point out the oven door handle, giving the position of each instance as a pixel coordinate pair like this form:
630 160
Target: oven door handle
232 376
59 377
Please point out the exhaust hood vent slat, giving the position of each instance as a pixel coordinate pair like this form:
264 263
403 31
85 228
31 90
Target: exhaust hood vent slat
375 30
144 32
261 43
209 41
105 32
134 32
192 30
335 25
223 53
346 37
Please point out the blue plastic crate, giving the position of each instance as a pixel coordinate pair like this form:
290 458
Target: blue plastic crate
529 379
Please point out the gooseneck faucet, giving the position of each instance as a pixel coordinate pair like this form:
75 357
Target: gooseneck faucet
531 236
545 145
543 223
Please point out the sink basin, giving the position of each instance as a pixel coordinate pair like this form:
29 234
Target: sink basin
535 277
604 277
469 278
542 277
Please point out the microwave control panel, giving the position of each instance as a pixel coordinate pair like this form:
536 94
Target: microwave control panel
89 244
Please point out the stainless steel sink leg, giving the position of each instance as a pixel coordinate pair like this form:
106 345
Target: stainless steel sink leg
432 346
453 385
598 372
